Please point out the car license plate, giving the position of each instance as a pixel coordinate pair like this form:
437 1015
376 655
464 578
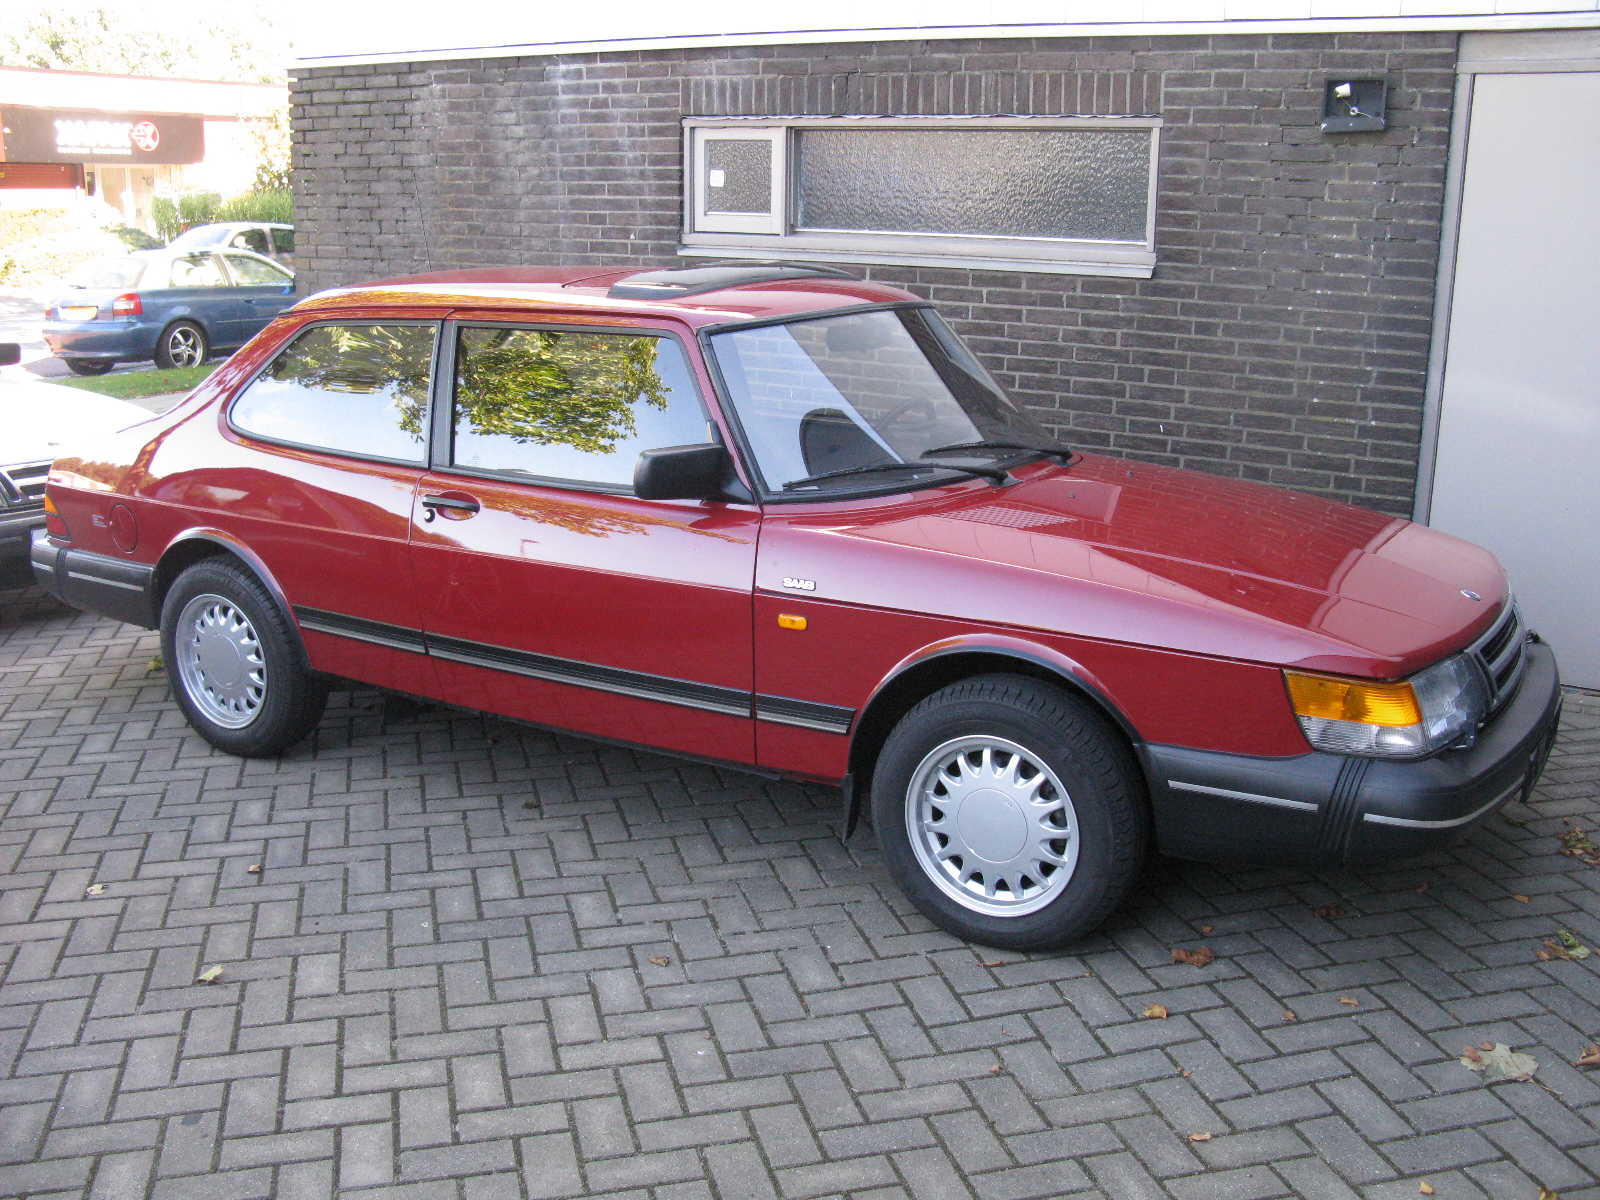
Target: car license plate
78 312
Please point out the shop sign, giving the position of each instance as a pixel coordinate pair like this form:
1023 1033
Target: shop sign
58 135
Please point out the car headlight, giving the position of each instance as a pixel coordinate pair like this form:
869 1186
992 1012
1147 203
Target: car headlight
1407 719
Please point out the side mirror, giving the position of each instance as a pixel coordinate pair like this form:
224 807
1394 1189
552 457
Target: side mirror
681 473
10 354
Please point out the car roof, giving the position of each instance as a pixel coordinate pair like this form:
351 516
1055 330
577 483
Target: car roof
698 295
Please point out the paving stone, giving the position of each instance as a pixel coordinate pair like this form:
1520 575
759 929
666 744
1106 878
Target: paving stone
438 993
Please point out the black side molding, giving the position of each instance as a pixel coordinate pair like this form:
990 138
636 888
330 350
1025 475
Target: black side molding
97 583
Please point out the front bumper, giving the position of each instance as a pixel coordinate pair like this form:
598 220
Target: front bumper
121 339
1328 808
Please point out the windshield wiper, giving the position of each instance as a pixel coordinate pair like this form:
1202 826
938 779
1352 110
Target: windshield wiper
994 475
1060 453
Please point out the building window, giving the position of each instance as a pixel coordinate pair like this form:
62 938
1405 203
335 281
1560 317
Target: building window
1065 194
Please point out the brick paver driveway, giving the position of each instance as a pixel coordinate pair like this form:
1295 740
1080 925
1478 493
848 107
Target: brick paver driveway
485 963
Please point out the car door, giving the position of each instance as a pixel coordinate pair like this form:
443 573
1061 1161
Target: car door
549 591
202 291
262 289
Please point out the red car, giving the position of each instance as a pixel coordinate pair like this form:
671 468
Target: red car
776 517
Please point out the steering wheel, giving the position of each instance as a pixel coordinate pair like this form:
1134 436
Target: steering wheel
900 411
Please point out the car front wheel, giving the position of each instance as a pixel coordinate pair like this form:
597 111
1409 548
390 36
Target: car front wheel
235 667
1009 812
89 366
182 344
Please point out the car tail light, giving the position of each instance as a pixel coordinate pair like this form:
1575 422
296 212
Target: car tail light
53 524
127 305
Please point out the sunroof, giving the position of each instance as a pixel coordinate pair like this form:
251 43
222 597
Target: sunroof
673 282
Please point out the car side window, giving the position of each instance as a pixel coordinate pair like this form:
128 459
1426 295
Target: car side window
197 270
570 405
252 272
252 239
283 240
352 389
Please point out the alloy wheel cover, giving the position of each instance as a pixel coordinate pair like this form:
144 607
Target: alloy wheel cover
220 661
183 346
992 826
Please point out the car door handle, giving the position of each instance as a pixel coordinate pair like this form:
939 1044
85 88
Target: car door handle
464 508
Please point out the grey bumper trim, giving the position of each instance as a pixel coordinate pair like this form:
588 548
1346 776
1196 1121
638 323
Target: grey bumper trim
1408 823
1252 797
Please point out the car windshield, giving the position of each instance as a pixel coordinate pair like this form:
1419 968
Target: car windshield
202 235
875 390
107 273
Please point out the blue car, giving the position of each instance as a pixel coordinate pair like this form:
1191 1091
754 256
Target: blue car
172 305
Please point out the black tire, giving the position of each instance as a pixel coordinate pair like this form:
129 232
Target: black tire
217 617
182 344
89 366
1100 807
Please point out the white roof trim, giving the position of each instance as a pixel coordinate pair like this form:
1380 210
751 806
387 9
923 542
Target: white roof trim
1507 22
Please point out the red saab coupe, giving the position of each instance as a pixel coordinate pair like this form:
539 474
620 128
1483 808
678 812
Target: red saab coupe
776 517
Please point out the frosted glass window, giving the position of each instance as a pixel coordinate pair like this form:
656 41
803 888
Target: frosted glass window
1078 184
739 176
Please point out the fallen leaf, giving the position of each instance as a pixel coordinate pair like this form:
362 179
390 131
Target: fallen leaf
1469 1054
1199 1137
209 975
1195 958
95 889
999 962
1207 928
1589 1058
994 1070
253 869
1563 946
660 960
1485 1045
1519 898
1571 944
1328 912
1289 1014
1421 887
530 804
1510 820
1348 1000
1576 843
1425 1188
1546 1194
1500 1062
155 665
1187 1072
1158 1011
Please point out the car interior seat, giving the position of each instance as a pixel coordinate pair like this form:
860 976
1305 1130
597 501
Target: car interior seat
831 441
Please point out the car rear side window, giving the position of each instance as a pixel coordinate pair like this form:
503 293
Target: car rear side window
252 272
353 389
196 271
570 405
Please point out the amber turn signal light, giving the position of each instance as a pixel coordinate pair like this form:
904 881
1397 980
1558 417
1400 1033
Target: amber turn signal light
53 524
1336 699
788 621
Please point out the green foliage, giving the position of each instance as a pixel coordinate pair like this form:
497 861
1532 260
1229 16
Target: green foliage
45 259
198 208
164 212
546 388
239 43
135 239
18 225
131 385
269 136
275 204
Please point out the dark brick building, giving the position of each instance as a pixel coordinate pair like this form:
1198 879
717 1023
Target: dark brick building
1283 335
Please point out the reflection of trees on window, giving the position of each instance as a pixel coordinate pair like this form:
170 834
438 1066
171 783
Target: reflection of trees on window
365 360
549 388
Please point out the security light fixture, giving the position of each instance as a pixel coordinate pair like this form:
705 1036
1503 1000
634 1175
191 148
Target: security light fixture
1355 105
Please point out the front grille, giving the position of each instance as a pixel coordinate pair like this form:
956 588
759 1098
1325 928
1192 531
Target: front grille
1502 654
22 487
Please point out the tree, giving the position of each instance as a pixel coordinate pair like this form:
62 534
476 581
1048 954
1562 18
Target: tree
248 45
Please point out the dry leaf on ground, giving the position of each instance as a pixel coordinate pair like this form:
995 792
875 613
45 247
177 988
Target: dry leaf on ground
994 1070
1187 1072
1565 945
1328 912
155 665
1158 1011
95 889
660 960
1520 898
253 869
1199 1137
1499 1062
1421 887
1576 843
1202 957
1289 1014
1208 929
1348 1000
209 975
1546 1194
999 962
1425 1188
1589 1058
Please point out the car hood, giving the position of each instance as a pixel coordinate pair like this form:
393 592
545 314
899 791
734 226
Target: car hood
1140 553
41 421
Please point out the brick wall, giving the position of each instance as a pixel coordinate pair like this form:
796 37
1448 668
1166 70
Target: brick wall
1283 338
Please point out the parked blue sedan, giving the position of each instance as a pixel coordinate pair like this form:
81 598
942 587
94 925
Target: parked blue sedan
174 306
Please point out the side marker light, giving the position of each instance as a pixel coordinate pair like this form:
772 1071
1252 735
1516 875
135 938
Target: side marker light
787 621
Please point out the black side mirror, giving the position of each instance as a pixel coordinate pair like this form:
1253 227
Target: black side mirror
681 473
10 354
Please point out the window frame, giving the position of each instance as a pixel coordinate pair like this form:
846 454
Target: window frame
769 223
420 465
441 443
1051 255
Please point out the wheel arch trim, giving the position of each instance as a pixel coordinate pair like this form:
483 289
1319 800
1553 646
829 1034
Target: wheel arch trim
227 544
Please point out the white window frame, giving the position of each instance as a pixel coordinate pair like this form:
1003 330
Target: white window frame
775 235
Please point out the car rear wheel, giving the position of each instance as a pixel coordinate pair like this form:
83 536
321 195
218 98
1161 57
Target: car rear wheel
235 667
1010 813
182 344
89 366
